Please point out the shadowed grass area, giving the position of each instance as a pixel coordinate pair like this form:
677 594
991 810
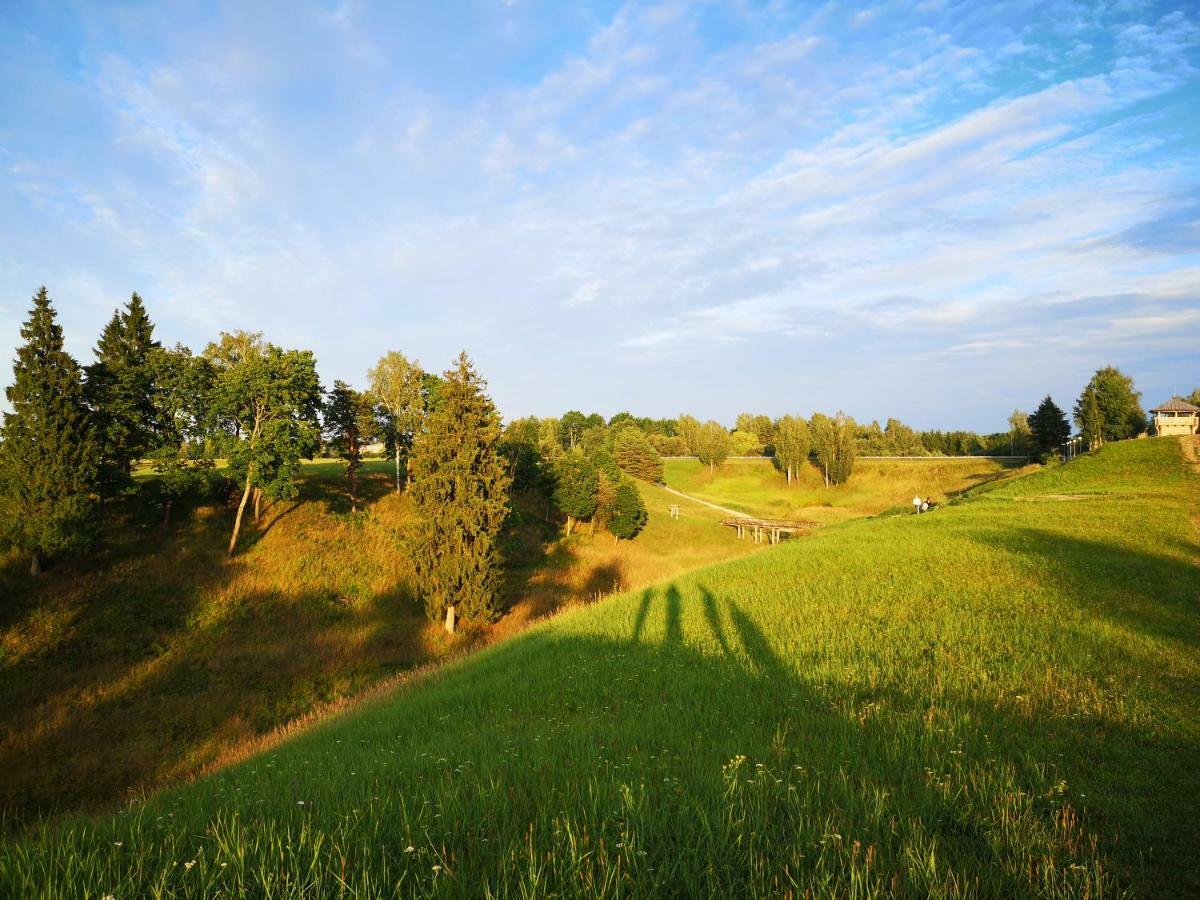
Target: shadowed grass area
999 699
756 487
159 657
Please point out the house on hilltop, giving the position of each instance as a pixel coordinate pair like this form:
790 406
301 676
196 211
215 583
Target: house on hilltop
1176 417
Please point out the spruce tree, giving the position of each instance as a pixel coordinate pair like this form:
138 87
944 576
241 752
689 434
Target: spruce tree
119 390
636 455
1049 427
48 464
460 494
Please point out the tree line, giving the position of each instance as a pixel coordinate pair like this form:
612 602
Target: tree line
75 435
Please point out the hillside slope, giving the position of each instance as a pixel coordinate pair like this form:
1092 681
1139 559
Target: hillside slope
998 699
159 656
756 487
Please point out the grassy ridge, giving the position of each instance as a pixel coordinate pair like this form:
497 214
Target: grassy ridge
757 488
999 699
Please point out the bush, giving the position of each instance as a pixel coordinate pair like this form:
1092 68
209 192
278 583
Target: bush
628 516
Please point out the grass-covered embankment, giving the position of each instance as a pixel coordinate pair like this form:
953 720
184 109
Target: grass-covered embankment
999 699
756 487
156 656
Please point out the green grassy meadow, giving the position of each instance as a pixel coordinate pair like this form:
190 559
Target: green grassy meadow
998 699
756 487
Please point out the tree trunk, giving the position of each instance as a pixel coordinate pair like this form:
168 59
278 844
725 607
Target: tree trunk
789 468
237 523
451 618
166 522
570 524
397 468
35 564
257 503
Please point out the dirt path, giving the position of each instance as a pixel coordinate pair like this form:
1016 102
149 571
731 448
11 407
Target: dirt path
724 509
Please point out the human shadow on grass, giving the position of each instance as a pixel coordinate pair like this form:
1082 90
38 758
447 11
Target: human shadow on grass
837 728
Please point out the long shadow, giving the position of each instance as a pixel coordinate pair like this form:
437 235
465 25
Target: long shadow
714 618
728 775
639 621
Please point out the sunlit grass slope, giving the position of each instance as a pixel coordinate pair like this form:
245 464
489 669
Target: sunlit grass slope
756 487
999 699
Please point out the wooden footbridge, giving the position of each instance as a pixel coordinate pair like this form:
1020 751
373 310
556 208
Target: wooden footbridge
771 530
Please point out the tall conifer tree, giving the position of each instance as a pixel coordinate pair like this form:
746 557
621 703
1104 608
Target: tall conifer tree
119 389
48 453
460 491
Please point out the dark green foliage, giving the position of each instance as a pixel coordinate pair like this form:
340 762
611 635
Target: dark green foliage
182 392
519 445
460 494
571 427
761 427
576 482
636 455
267 399
627 515
119 390
431 391
48 468
349 423
1109 409
1049 427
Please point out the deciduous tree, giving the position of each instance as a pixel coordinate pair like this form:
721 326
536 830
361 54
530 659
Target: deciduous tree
182 400
627 515
48 454
1109 409
712 444
576 483
268 398
793 441
460 495
399 386
834 446
349 423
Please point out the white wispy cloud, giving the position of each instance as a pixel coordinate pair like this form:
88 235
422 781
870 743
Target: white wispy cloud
694 182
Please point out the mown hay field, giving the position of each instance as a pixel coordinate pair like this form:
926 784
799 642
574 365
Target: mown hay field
998 699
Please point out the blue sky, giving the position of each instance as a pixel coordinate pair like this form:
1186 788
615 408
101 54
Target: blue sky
933 210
